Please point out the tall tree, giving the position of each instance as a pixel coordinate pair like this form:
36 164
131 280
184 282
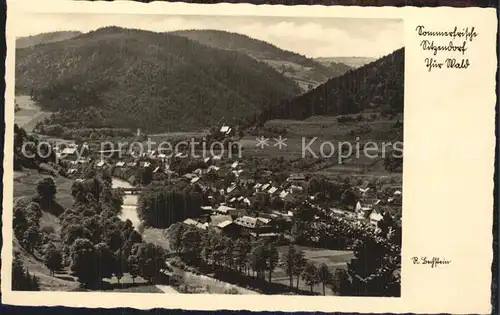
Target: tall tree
299 263
52 258
310 275
325 276
287 261
46 189
83 266
242 249
272 259
150 258
21 279
134 267
191 240
105 261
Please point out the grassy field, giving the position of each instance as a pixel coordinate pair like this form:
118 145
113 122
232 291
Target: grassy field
328 127
29 114
25 185
332 258
156 236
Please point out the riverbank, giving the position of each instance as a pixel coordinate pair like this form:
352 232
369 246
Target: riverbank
129 208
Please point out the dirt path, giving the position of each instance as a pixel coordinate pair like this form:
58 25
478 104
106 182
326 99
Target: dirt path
167 289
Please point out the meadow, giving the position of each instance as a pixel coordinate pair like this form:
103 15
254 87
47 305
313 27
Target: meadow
334 259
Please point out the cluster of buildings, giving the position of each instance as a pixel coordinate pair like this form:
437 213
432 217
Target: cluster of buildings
242 205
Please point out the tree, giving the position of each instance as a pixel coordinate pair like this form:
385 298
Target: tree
52 258
241 250
133 267
325 276
287 261
150 258
314 185
228 252
191 240
375 269
31 239
340 283
120 265
21 279
105 261
299 263
258 259
174 236
46 189
310 275
19 222
83 262
272 259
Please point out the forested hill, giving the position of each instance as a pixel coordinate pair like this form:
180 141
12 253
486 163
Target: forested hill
45 38
305 71
159 82
377 86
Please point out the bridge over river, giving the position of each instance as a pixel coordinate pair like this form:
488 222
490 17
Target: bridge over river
132 190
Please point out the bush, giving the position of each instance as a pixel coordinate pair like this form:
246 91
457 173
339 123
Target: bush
48 229
176 280
231 291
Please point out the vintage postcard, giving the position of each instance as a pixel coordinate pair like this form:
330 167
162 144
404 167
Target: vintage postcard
170 154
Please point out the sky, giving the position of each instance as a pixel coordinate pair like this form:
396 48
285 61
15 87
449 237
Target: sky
313 37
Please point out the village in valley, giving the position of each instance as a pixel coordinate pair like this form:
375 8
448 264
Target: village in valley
234 206
237 198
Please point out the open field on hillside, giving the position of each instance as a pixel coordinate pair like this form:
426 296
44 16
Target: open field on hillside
330 128
332 258
29 114
174 136
25 185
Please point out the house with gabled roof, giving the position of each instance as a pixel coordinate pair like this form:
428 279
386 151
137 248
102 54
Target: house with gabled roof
226 210
254 225
228 228
272 190
226 130
294 178
101 164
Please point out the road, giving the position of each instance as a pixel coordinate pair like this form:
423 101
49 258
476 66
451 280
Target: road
167 289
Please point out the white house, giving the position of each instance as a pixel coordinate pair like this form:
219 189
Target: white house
375 218
272 190
225 130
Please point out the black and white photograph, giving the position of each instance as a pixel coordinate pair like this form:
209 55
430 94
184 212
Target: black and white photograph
185 154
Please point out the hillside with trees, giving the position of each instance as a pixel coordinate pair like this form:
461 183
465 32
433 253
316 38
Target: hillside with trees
305 71
375 87
159 82
45 38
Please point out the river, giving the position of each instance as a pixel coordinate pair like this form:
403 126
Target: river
129 208
129 211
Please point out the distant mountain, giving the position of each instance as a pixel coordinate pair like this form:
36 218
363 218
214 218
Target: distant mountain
353 62
376 87
44 38
159 82
307 72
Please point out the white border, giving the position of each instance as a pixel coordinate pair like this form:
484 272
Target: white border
441 217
